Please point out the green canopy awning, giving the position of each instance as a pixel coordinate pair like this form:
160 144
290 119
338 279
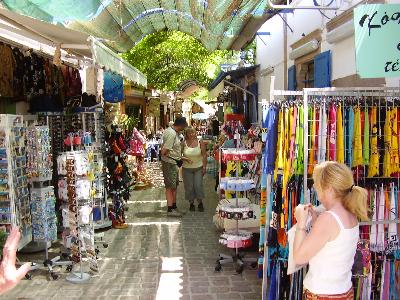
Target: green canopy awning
123 23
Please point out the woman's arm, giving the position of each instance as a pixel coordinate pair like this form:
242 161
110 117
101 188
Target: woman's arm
204 154
306 246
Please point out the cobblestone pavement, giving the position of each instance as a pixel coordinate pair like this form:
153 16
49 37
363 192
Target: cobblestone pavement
156 257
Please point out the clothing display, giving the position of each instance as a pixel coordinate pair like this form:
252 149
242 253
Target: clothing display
361 132
118 176
28 75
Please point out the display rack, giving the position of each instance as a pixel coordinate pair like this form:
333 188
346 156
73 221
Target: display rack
43 200
378 247
77 189
14 193
236 208
88 121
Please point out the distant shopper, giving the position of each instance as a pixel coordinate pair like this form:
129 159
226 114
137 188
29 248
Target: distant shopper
10 276
171 160
194 169
330 246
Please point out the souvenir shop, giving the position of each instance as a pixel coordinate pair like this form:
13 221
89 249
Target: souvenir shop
59 161
356 126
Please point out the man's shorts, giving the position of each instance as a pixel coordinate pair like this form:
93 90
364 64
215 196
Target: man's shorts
171 175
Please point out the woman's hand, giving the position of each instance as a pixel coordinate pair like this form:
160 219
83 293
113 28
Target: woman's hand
188 160
301 214
204 170
9 275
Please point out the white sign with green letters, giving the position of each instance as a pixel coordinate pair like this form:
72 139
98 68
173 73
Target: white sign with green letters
377 40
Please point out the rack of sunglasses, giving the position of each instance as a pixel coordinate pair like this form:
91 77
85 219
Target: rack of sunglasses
14 193
76 189
236 208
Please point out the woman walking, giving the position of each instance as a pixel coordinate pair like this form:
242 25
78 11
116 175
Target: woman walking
330 246
194 168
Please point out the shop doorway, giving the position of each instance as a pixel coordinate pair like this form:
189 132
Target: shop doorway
137 112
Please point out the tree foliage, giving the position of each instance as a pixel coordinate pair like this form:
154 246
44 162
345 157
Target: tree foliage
170 57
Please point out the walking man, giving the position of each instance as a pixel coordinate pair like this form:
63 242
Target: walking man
171 160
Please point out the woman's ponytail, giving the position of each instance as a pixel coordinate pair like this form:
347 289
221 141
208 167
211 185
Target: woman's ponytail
340 178
356 202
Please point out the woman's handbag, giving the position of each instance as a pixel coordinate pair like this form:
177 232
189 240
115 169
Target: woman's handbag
179 162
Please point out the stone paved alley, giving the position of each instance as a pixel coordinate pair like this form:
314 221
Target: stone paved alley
155 258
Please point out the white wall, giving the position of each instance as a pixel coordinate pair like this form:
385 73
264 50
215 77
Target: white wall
303 22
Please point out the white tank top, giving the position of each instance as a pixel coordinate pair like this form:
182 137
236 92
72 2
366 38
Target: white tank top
194 154
330 269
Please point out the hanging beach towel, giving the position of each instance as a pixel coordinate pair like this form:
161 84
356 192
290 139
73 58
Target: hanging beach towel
113 87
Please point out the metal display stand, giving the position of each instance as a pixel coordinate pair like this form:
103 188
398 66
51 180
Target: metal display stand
76 228
43 199
237 237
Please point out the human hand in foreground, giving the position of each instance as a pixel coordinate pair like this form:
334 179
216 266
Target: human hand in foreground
9 275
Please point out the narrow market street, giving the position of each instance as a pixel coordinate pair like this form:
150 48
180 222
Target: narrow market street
156 257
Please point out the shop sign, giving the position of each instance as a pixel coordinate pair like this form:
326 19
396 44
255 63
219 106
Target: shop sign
377 40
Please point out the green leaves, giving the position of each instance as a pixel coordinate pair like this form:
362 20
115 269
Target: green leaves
170 57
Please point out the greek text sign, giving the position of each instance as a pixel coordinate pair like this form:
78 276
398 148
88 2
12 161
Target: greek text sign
377 40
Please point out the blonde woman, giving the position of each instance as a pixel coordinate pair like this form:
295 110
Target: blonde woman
330 246
194 168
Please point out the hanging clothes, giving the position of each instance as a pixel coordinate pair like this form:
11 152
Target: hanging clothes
299 151
8 64
373 169
388 145
340 136
280 145
322 134
366 138
350 133
271 138
332 132
311 128
394 143
357 142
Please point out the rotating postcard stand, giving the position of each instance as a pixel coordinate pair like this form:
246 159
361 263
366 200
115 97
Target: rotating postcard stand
236 208
14 193
44 220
